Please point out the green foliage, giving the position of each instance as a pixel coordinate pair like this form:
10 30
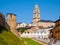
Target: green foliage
2 29
21 30
29 41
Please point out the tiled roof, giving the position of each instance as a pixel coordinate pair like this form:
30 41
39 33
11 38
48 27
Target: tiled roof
19 22
46 21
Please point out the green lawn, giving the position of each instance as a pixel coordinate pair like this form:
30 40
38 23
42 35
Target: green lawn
8 38
29 41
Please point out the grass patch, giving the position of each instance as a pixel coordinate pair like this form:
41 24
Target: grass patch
29 41
8 38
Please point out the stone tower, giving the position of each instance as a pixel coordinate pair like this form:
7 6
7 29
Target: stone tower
11 20
36 14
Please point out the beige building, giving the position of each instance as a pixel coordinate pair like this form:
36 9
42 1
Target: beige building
37 19
21 24
38 23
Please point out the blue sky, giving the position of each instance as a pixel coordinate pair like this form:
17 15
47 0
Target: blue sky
49 9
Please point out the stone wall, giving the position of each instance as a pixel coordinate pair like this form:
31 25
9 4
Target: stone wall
11 20
32 35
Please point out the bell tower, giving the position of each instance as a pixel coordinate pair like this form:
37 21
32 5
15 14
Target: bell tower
36 14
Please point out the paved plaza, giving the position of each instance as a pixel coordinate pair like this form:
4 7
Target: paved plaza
46 41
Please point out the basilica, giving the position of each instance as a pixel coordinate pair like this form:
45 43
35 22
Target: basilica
37 22
38 28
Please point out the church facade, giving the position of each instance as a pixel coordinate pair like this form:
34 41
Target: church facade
37 22
38 28
37 19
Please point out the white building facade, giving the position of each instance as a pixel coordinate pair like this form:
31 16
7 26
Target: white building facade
20 25
42 33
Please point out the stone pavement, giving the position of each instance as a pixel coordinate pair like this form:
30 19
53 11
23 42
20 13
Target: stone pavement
57 43
46 41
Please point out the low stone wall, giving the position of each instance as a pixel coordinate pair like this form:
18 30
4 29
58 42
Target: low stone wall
32 35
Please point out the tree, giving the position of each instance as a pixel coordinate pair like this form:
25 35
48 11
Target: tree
21 30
